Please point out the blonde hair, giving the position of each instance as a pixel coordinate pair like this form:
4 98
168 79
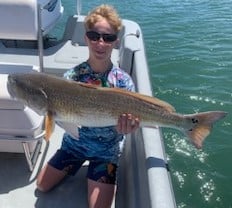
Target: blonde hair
104 11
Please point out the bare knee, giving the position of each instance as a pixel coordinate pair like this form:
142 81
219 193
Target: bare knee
48 178
42 187
100 194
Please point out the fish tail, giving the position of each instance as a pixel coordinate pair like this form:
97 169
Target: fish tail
202 125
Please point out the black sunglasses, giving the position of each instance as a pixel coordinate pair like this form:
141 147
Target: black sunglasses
95 36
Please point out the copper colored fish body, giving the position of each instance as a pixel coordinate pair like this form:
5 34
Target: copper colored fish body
88 105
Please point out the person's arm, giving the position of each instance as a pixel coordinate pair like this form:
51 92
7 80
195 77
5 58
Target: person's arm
127 123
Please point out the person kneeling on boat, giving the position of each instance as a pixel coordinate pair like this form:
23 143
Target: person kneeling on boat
100 146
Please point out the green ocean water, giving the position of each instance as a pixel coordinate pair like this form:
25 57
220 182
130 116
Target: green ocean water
189 52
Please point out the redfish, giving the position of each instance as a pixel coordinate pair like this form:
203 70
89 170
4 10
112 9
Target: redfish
88 105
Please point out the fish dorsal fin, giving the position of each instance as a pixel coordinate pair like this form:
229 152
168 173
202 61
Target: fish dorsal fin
158 102
152 100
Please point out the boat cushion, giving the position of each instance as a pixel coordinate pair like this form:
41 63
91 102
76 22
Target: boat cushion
20 123
21 16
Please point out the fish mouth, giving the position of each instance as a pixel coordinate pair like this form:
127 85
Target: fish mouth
13 85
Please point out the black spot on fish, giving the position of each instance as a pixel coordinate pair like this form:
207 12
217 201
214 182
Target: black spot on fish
194 120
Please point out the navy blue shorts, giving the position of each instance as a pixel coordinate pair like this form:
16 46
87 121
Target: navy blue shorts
103 172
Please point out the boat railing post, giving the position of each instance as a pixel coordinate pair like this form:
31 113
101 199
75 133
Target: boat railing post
78 7
40 37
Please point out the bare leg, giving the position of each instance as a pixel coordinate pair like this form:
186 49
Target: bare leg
49 177
100 195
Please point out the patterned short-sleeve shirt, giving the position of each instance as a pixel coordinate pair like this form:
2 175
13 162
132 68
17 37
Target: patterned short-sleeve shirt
97 143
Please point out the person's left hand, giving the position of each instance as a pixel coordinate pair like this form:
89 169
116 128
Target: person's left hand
127 123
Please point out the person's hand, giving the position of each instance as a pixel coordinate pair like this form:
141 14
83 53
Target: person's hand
127 123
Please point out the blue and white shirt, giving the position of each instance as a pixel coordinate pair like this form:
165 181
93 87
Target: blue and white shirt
97 143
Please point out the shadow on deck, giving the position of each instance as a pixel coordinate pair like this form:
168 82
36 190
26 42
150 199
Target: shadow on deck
18 184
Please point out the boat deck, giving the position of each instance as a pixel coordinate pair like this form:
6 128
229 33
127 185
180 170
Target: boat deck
18 184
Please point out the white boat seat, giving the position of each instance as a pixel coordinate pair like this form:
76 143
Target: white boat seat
22 18
21 129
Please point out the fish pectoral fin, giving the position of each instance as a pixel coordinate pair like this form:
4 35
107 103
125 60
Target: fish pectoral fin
49 125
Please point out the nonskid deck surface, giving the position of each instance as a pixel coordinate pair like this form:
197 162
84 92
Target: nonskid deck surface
18 184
